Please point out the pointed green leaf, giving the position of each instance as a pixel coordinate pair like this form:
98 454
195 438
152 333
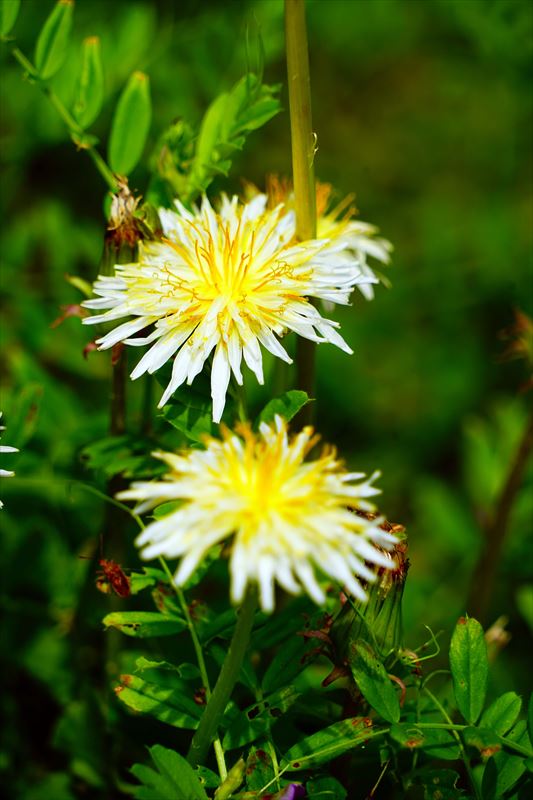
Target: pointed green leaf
174 779
9 10
502 714
288 662
469 666
325 789
90 90
329 743
507 769
482 739
259 767
130 126
287 406
142 624
51 48
373 682
165 696
530 717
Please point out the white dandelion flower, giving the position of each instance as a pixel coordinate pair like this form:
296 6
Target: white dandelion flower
339 225
5 473
226 284
289 518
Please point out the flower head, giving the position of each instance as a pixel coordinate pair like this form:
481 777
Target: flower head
5 473
225 283
337 223
288 517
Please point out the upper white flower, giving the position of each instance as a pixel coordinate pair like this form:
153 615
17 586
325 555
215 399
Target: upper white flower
224 283
339 224
4 448
288 518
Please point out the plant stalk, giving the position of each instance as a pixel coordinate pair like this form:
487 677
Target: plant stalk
303 151
227 679
73 127
482 581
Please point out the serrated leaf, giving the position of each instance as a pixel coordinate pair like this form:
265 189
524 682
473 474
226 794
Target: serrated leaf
130 126
373 682
90 88
329 743
502 714
174 778
287 406
52 43
165 696
256 720
144 624
9 10
126 455
469 666
435 742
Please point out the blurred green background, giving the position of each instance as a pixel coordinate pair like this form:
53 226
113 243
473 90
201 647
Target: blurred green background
424 109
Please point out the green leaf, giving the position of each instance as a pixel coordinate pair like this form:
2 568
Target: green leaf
329 743
435 742
143 624
482 739
325 789
126 455
439 784
504 771
502 714
165 696
288 662
469 666
191 414
287 406
51 48
9 10
259 767
146 579
530 717
130 126
256 720
90 90
174 778
373 682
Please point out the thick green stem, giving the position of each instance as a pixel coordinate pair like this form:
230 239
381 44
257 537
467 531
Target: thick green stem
68 119
227 679
303 151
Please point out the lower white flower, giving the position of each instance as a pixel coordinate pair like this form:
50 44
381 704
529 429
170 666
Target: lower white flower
290 519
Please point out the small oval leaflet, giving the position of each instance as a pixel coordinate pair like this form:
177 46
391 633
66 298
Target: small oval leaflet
52 44
131 123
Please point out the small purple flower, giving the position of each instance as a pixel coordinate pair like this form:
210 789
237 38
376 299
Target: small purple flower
293 792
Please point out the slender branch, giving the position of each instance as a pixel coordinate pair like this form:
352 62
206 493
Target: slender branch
482 581
68 119
303 149
454 731
217 744
227 679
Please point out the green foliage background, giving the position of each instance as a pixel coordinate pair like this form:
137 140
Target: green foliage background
424 109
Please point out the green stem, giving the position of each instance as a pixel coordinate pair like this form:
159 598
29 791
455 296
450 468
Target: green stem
227 679
73 127
217 744
454 730
303 150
